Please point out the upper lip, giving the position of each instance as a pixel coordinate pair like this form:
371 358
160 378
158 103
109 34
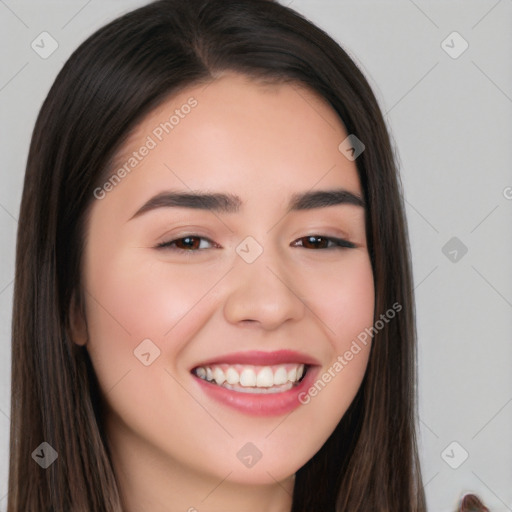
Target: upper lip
261 358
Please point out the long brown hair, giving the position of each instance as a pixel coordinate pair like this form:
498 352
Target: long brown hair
115 78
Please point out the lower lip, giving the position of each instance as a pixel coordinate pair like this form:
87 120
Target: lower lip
258 404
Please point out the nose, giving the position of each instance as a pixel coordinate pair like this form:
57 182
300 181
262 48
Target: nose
264 293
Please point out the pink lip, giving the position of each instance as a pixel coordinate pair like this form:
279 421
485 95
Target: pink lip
260 358
272 404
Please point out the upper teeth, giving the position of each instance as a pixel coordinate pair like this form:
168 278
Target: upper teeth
251 376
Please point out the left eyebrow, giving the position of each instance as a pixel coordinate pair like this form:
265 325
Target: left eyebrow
228 203
323 198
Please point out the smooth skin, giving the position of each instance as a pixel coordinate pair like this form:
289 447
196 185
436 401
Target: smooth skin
174 448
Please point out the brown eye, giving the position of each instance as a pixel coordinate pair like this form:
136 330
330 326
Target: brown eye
322 242
190 243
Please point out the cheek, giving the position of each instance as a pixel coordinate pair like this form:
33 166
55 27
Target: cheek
344 299
133 298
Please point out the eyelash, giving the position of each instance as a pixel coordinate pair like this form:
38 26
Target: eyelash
340 243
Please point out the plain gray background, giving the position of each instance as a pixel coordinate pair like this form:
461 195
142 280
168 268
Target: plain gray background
449 114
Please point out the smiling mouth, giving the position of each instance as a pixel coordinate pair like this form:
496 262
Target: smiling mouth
253 378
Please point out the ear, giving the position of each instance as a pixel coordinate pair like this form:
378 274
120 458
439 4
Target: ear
77 321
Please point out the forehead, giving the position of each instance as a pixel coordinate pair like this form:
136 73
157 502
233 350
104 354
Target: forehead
238 133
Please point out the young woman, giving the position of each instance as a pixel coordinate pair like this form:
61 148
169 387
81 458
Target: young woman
213 304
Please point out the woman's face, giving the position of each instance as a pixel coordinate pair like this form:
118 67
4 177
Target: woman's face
251 286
